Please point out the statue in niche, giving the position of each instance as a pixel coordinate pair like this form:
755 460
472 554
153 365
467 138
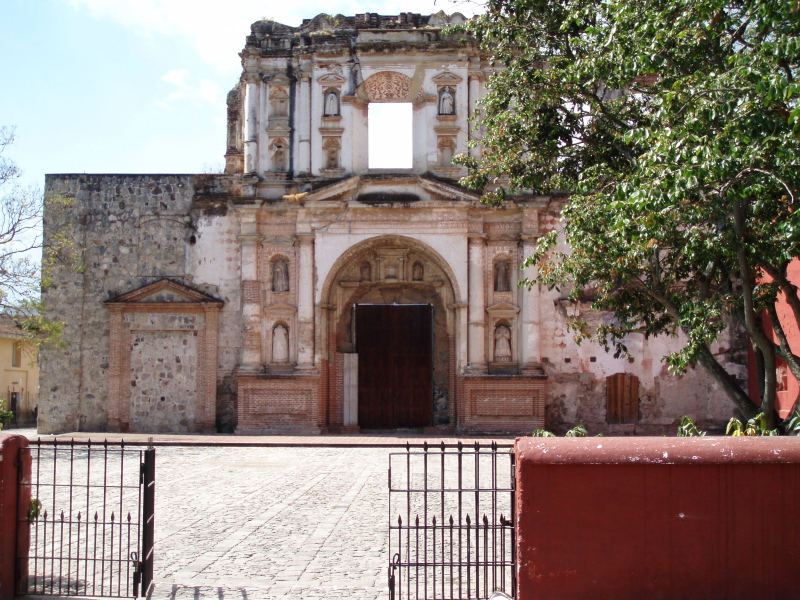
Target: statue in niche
366 272
332 104
279 160
502 277
417 272
502 344
447 104
280 276
280 344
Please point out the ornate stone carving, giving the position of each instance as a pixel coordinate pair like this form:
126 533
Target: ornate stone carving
388 86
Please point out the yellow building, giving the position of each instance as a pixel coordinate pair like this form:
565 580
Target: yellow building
19 372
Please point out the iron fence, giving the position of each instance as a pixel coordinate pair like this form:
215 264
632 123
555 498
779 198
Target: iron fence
83 513
451 530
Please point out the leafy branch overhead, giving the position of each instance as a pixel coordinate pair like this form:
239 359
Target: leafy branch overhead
674 126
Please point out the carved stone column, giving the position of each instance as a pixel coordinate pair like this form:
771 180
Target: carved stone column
304 125
305 303
251 123
530 344
251 294
477 303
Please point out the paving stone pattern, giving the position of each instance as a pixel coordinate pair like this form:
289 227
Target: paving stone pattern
262 523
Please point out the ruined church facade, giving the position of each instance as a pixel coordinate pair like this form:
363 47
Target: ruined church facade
303 292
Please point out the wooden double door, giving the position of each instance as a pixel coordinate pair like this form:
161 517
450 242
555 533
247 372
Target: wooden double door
395 365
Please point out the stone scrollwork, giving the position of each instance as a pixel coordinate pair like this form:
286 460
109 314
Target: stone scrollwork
388 86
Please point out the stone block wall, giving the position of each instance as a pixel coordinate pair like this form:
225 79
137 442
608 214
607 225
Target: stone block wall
132 229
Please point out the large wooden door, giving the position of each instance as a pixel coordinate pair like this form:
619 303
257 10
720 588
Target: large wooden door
395 365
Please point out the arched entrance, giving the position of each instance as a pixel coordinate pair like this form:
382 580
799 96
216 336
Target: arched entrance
391 336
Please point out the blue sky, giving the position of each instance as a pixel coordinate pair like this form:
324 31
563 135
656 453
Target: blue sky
135 86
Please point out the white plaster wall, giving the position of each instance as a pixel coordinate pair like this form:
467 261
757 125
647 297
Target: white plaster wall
215 261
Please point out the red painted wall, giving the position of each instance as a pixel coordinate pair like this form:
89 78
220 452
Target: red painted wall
9 498
788 391
658 518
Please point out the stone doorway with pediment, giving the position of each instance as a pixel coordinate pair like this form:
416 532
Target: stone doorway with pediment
163 359
390 271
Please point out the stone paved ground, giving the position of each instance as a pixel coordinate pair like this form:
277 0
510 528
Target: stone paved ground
255 523
252 523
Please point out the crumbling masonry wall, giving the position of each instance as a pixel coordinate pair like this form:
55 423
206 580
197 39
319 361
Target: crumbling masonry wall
132 230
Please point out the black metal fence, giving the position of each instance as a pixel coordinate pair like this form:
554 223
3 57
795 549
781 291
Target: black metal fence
85 512
451 530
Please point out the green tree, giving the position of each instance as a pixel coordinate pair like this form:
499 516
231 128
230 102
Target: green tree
21 211
674 126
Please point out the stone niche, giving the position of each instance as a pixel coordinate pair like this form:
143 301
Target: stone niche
163 359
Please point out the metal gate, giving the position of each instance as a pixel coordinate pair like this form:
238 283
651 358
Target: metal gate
86 516
451 529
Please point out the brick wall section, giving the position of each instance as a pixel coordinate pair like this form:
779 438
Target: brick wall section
649 517
501 404
122 222
279 404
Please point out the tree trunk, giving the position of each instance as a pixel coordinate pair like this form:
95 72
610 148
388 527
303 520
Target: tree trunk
728 383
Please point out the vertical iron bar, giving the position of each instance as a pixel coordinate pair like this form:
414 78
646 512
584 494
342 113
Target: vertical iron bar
416 556
53 513
425 511
485 556
408 519
88 516
468 548
399 584
105 503
433 562
477 518
121 492
494 513
94 557
78 557
441 483
451 557
460 506
69 533
60 554
111 558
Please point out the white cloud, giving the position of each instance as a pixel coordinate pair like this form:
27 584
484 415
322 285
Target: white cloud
184 87
216 29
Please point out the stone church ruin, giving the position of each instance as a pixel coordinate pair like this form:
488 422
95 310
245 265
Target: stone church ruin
303 292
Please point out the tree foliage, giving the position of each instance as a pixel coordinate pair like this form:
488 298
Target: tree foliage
21 209
674 127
